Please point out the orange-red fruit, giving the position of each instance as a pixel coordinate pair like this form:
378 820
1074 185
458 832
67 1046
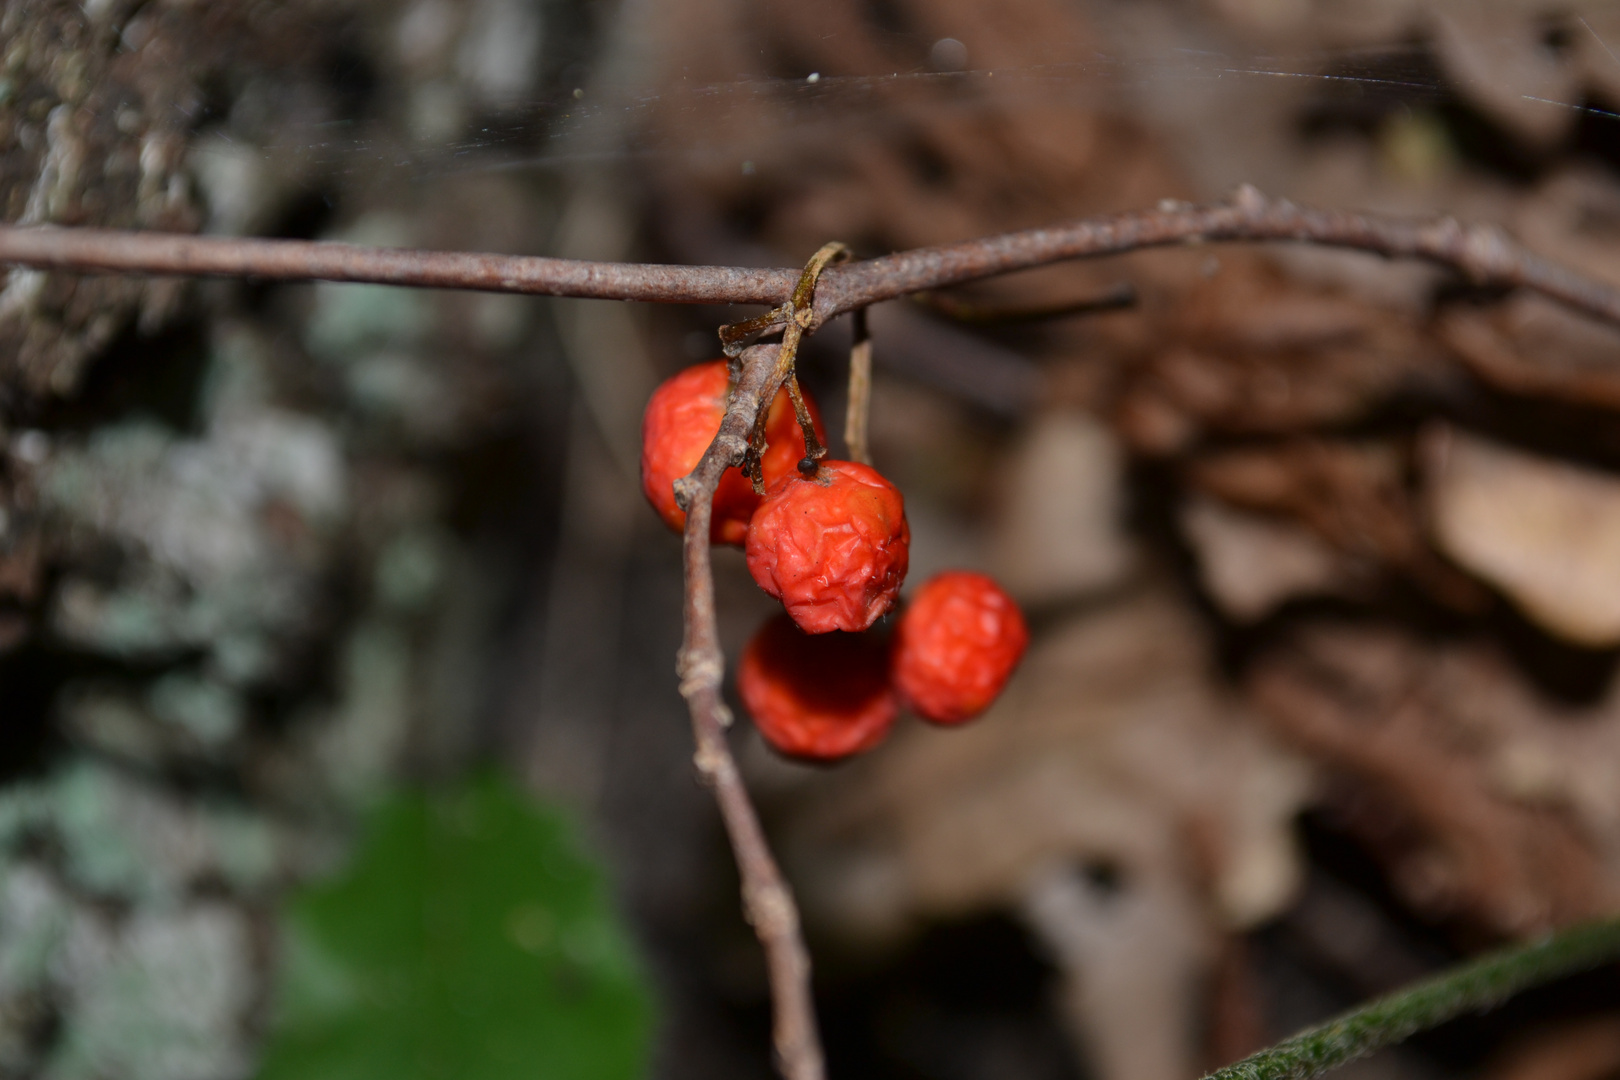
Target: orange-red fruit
955 646
681 420
818 697
833 549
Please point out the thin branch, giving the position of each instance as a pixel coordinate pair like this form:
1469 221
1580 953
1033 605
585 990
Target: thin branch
1472 987
1483 254
106 251
767 902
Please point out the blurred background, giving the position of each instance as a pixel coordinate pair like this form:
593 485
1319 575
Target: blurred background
340 731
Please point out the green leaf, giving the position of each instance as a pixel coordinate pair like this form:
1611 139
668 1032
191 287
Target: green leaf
470 939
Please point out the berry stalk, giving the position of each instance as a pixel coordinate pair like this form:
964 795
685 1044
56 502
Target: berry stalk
813 450
792 318
1483 255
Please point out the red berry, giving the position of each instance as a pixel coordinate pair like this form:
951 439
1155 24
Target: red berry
681 420
820 697
955 646
832 548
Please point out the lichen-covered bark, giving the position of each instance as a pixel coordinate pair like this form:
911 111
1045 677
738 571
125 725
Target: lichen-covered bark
249 552
95 110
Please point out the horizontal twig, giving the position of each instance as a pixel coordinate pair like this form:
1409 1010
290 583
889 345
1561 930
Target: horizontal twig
1482 254
106 251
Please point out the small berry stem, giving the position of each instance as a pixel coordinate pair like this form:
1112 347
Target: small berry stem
753 460
860 392
813 450
794 317
753 463
734 337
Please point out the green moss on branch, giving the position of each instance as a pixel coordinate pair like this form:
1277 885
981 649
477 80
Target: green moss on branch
1478 985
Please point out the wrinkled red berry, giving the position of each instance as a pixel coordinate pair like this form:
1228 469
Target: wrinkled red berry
833 548
955 646
681 420
819 697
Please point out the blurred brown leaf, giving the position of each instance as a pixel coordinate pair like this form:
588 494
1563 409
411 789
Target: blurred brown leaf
1487 805
1545 532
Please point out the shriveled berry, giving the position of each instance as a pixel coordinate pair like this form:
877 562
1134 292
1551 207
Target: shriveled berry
681 420
819 697
833 548
955 646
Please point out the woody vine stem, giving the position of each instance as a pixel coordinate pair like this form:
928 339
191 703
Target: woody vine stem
801 303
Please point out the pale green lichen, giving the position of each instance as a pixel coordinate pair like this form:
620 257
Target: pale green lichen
206 709
349 320
399 386
34 919
410 568
160 998
108 719
202 569
238 379
361 742
125 838
354 320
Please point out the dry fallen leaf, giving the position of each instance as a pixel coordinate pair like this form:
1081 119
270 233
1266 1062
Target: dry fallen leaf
1487 804
1545 532
1497 53
1251 564
1058 533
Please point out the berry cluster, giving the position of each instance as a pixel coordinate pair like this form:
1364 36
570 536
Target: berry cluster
833 546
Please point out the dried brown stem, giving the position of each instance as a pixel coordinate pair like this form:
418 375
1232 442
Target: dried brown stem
767 902
813 450
1483 254
792 317
860 392
753 459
